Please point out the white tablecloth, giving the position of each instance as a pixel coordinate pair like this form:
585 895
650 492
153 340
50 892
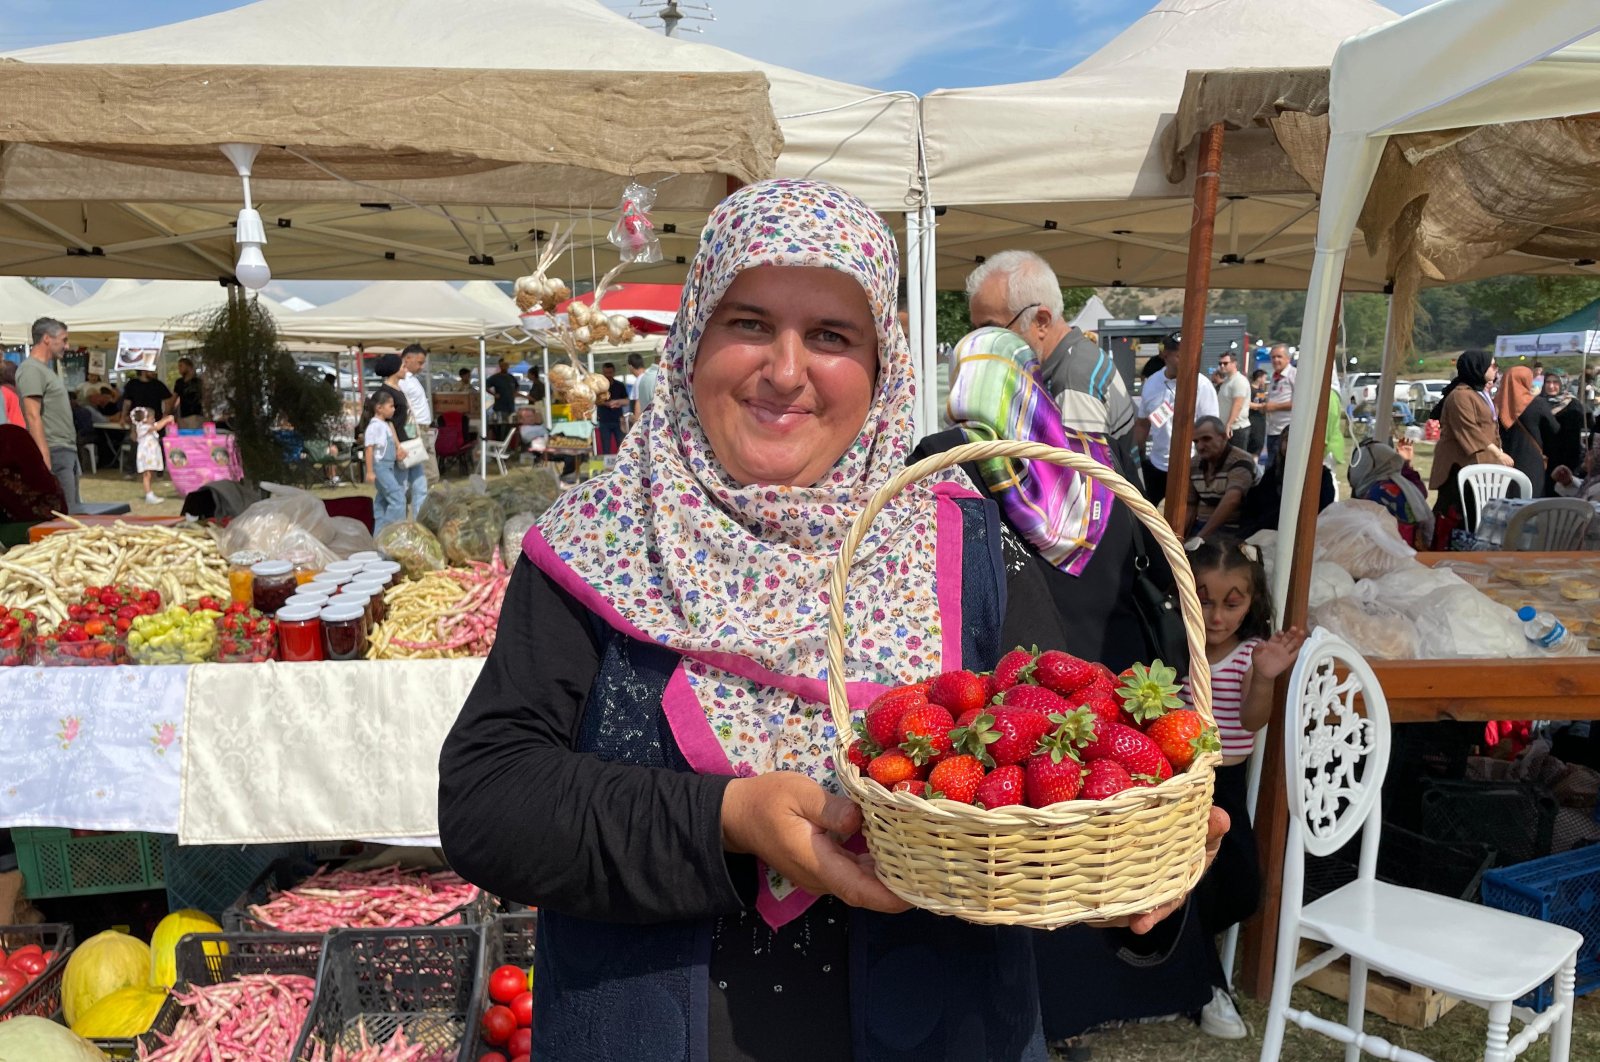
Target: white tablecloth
231 753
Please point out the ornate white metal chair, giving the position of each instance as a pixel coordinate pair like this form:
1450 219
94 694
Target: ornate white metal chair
1484 483
1336 750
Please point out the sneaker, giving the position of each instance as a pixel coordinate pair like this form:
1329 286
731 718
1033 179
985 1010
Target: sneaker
1220 1018
152 498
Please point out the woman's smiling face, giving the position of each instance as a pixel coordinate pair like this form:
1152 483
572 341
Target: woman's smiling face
785 373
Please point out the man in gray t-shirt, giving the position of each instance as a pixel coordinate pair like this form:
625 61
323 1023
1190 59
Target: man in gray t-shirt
1233 401
46 409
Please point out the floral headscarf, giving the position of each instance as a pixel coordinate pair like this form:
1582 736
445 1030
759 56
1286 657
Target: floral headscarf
667 548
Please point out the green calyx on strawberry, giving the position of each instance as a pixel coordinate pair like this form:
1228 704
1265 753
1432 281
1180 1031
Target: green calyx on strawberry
974 739
1016 666
1150 692
883 715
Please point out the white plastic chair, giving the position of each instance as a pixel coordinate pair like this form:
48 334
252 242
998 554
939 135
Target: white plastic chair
1484 483
500 452
1335 758
1562 525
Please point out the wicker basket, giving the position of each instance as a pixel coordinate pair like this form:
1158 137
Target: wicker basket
1077 861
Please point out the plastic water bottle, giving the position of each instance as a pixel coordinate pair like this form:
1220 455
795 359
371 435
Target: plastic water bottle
1547 632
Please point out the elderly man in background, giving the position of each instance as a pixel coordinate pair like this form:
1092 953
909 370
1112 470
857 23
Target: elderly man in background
1153 431
413 363
46 409
1220 479
1279 401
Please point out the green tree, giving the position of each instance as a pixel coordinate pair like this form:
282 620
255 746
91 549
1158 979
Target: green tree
1514 304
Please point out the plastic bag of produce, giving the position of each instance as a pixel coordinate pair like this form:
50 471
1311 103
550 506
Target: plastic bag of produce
348 536
412 546
1328 581
1374 629
527 490
1460 621
1406 588
471 528
517 528
265 525
1363 538
431 512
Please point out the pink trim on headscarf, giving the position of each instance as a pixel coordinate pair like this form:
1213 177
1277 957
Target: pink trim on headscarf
690 728
948 568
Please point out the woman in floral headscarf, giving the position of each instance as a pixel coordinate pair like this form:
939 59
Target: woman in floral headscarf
647 755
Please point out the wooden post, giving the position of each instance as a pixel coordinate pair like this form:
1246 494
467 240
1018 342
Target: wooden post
1260 936
1196 292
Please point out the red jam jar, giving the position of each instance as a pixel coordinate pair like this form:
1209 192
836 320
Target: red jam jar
344 634
348 596
271 584
300 633
373 588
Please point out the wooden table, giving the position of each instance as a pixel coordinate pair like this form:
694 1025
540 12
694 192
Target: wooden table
1554 687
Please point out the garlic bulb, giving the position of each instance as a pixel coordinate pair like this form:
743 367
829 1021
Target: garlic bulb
581 334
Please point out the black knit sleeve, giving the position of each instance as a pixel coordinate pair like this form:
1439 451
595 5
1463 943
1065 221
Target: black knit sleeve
528 818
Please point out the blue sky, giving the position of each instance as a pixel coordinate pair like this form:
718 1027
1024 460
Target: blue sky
916 45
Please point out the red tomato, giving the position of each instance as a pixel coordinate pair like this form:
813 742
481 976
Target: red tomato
498 1025
30 964
523 1058
521 1043
28 949
507 983
492 1056
13 981
522 1010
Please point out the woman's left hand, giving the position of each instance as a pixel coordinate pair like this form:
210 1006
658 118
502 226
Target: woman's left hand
1141 924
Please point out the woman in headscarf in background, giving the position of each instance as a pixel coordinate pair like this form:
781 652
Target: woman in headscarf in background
1468 435
1527 426
1566 447
1381 474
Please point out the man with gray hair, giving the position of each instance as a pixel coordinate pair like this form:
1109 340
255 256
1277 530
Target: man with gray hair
1017 290
45 407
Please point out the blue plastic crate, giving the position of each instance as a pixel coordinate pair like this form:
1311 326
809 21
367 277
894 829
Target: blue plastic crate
1561 889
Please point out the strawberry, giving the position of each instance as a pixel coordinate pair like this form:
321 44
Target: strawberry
1107 709
1102 679
861 753
1149 692
1016 666
966 717
892 766
1181 736
1034 699
959 691
1129 747
914 786
1005 735
1105 778
1061 672
883 715
924 733
1003 787
958 778
1050 778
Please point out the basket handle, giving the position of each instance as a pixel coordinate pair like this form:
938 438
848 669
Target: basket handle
1171 548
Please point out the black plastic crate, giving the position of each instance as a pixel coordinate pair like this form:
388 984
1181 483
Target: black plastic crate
208 877
422 980
42 997
507 938
1408 859
1516 819
285 874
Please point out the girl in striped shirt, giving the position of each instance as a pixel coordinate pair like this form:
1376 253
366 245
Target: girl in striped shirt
1246 659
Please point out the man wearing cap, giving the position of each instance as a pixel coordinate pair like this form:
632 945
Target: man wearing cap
413 361
1152 432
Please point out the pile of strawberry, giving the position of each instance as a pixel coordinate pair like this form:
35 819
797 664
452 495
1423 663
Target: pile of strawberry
245 635
1042 728
17 626
116 606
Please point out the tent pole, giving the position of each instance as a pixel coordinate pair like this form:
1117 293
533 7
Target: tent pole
483 408
929 279
1196 293
1388 369
546 382
913 273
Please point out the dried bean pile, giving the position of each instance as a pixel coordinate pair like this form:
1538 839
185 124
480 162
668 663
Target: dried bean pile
384 898
256 1018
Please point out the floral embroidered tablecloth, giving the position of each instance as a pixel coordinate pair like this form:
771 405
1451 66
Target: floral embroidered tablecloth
91 748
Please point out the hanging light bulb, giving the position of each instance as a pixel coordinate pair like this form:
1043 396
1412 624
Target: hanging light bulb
251 236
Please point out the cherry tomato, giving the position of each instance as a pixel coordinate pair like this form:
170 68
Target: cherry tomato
498 1025
521 1043
522 1010
507 983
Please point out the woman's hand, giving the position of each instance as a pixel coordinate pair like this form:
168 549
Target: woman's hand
1406 449
1562 475
1505 459
1276 655
795 826
1216 828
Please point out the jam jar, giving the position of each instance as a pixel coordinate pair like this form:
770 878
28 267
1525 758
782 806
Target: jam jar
389 570
328 582
272 582
345 567
306 595
365 556
373 588
348 596
239 578
300 633
344 635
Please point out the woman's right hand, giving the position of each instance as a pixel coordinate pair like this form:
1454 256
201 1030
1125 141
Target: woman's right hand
1562 475
795 826
1505 459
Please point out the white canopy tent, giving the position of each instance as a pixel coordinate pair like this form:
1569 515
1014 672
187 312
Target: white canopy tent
173 306
489 294
1453 66
1073 167
400 310
1094 311
20 305
114 288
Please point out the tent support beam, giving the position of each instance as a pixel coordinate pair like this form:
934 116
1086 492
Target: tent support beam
1196 294
913 277
1272 813
927 279
483 407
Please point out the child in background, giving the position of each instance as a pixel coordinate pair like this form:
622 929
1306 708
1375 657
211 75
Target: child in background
1246 659
147 448
383 450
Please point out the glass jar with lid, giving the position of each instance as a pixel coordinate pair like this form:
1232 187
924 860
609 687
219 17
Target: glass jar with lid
306 595
347 596
373 587
365 556
239 578
345 567
328 582
300 633
271 583
344 635
389 570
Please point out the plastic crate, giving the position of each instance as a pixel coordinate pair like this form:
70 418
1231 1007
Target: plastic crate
507 938
247 953
55 863
42 997
422 980
1564 890
208 877
287 873
1407 859
1517 820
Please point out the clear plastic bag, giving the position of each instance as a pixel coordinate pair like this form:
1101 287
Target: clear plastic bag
1374 629
517 528
1363 538
413 547
634 234
288 521
1407 587
470 530
1459 621
1328 581
527 490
